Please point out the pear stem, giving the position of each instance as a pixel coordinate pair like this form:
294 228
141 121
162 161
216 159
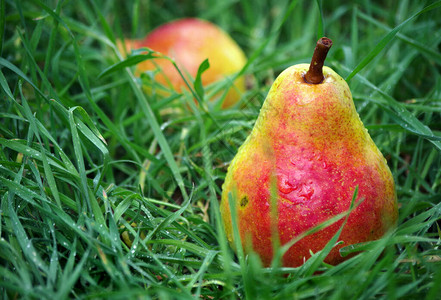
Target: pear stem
315 72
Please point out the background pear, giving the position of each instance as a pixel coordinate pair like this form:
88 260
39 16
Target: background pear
189 42
310 143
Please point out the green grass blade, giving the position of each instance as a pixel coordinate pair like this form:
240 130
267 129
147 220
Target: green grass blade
129 61
198 80
321 23
151 118
71 277
88 196
26 245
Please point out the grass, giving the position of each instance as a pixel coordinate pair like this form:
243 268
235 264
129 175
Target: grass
107 192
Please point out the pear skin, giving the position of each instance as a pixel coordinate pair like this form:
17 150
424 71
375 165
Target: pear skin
310 139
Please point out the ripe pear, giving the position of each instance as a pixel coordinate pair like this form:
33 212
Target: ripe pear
309 146
189 42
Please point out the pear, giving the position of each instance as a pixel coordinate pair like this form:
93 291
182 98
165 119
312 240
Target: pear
189 42
307 153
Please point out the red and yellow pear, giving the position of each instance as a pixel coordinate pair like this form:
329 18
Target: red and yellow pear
189 42
308 143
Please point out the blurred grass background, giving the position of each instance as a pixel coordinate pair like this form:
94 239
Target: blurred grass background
107 192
